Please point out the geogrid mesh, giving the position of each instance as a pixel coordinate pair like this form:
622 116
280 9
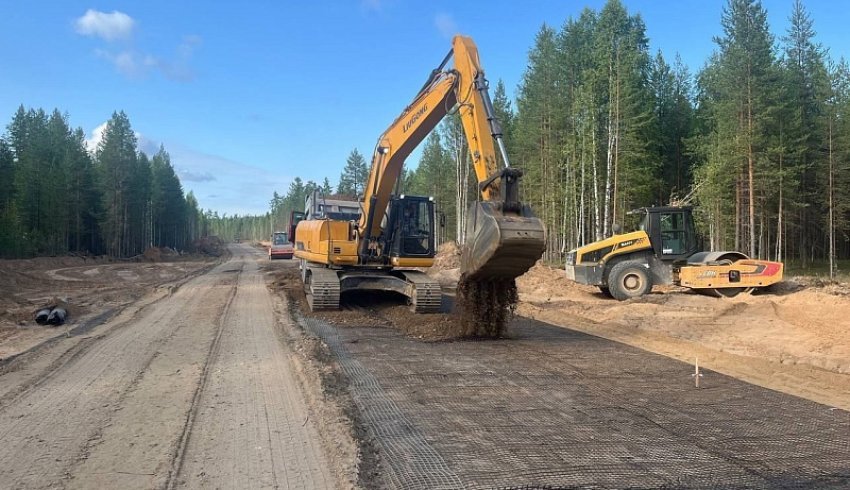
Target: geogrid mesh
554 408
410 461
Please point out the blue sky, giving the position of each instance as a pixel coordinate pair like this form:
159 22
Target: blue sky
245 96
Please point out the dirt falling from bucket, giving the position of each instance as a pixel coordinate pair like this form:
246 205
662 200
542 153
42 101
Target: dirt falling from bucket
485 306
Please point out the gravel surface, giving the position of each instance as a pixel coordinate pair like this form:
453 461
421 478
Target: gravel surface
193 387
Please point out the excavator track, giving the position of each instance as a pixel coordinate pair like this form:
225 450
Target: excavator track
322 289
426 296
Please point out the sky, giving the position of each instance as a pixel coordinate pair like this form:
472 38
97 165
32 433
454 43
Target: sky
247 95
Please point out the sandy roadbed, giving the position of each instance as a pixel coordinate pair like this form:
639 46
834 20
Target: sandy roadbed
196 388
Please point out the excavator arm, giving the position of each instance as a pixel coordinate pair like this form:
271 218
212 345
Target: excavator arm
504 237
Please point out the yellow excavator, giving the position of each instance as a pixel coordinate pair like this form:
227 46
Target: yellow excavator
395 233
665 250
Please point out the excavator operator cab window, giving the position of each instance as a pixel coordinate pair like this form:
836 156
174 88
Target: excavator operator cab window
416 228
413 227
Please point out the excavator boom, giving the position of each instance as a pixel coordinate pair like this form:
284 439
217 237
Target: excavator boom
503 238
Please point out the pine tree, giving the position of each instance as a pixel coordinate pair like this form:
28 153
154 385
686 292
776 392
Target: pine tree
8 211
353 179
193 219
681 126
116 158
28 138
167 203
295 196
585 129
580 99
805 130
536 131
81 196
839 170
139 205
739 90
673 115
622 61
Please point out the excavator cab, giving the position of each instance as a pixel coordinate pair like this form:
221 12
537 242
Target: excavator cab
295 217
410 227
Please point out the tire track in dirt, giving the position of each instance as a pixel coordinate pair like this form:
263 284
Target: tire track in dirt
252 427
25 370
140 446
179 457
50 428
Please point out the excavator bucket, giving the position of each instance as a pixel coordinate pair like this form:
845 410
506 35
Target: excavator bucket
501 244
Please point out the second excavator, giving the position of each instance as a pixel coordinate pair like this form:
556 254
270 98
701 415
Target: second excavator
395 233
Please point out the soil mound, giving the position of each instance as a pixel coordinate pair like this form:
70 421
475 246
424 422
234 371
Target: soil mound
448 257
153 254
209 245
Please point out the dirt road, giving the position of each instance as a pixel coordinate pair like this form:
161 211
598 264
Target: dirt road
194 389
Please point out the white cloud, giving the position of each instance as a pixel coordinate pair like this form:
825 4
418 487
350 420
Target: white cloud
179 69
93 141
190 176
143 143
134 63
112 26
225 185
445 24
147 145
126 62
138 65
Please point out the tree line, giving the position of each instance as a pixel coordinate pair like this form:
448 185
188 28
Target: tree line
58 197
758 140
